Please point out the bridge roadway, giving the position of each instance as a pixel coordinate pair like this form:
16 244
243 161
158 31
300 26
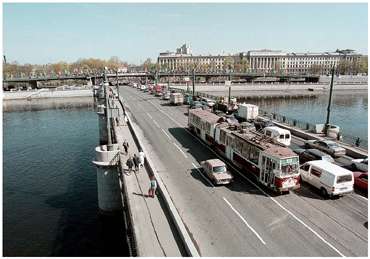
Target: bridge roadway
244 219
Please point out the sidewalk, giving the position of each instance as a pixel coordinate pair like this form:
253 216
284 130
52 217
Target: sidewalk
152 230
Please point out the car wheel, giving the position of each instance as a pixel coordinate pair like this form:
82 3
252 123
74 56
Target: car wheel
324 193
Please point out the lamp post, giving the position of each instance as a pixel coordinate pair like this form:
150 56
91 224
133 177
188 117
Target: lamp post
117 84
329 104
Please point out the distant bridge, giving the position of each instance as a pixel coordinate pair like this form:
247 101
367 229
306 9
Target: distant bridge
249 77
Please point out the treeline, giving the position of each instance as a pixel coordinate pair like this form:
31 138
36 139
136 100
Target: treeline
80 67
345 67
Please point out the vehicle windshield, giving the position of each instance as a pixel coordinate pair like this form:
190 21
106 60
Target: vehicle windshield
289 166
333 145
344 178
219 169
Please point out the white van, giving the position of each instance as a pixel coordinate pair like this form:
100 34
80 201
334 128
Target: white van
279 135
329 178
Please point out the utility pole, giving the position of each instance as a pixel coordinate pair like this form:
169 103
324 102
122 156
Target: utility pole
329 104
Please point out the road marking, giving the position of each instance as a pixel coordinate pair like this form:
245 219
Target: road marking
180 150
201 174
358 195
245 222
166 134
156 124
149 116
275 201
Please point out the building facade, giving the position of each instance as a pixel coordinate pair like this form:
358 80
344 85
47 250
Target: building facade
257 61
184 60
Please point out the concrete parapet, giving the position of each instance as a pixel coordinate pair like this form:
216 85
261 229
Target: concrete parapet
106 161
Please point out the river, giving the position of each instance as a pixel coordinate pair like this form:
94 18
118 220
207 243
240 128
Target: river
49 186
349 110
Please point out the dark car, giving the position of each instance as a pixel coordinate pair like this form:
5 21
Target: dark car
328 146
311 154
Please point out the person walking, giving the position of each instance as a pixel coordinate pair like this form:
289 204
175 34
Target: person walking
153 186
136 162
129 164
125 146
141 158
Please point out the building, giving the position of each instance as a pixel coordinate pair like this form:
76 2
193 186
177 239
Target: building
258 61
184 60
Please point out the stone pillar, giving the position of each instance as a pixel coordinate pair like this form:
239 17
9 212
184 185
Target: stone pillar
109 193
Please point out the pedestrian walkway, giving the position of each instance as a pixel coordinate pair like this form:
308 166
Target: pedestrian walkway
153 233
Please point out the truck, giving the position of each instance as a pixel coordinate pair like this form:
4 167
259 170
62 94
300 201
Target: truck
247 112
176 99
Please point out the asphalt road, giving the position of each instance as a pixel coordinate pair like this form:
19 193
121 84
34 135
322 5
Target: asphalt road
243 218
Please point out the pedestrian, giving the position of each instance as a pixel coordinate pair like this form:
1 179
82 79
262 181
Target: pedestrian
129 164
136 162
357 143
141 158
125 146
153 186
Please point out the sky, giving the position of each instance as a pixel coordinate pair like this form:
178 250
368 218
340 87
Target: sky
40 33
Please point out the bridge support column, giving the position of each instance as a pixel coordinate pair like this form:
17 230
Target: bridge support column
109 193
103 130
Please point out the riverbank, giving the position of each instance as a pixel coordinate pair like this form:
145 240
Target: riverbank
47 93
38 104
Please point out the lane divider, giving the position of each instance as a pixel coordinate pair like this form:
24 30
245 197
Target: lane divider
202 175
182 152
245 222
165 133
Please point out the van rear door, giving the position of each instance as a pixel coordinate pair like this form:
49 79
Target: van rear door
344 183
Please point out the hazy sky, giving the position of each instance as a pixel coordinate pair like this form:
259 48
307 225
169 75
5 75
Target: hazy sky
42 33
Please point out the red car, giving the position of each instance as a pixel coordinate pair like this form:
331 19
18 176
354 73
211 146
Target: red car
360 181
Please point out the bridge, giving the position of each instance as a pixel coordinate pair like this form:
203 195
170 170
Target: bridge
95 79
194 217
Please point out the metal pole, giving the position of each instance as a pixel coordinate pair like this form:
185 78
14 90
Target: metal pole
229 95
193 84
329 104
117 84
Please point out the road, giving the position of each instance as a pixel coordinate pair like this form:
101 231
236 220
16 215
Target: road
243 219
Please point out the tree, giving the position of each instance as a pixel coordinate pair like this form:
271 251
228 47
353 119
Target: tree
315 69
363 65
229 64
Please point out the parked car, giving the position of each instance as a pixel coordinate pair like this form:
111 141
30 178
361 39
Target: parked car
327 146
330 179
360 181
216 170
311 154
359 165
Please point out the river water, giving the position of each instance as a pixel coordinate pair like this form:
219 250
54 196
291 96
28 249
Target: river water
349 110
49 186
